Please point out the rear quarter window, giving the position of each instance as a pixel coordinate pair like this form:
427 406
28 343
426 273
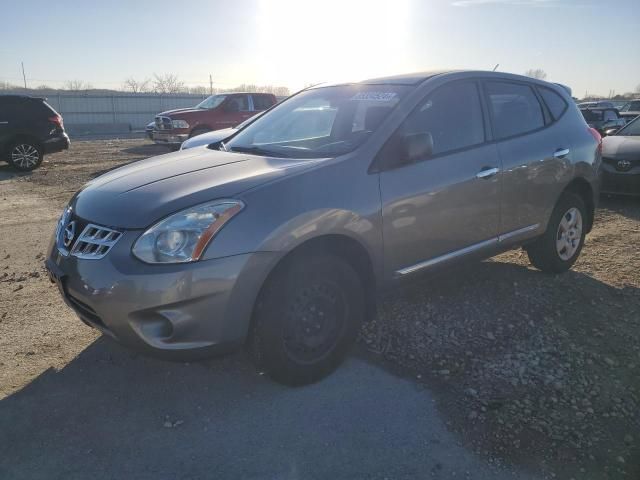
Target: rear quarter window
555 103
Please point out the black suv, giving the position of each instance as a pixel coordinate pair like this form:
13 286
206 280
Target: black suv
29 128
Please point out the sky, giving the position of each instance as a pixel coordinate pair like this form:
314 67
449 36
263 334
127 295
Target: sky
589 45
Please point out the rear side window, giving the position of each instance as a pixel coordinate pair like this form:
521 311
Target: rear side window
514 108
37 108
9 108
452 115
554 101
262 102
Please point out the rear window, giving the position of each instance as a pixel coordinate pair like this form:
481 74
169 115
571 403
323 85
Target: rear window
592 115
554 101
515 109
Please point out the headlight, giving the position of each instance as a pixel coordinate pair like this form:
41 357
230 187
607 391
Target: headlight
183 236
179 124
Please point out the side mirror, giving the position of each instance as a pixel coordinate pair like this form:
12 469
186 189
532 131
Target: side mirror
610 131
416 146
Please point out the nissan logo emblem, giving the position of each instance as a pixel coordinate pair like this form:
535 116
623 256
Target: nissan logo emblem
68 234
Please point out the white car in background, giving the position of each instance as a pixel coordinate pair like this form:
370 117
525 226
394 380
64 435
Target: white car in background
216 136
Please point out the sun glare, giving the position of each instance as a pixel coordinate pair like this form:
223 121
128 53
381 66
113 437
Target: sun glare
331 40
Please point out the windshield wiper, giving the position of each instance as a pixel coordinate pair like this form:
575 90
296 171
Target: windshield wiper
259 151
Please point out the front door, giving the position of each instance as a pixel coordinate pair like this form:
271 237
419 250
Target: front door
445 205
235 110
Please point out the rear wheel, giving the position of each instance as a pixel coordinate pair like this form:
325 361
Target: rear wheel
558 249
25 155
307 318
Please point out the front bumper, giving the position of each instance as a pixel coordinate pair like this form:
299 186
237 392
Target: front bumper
169 138
620 183
175 311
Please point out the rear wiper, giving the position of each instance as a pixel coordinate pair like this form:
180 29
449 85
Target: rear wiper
259 151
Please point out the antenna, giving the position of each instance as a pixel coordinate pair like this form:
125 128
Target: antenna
24 77
496 67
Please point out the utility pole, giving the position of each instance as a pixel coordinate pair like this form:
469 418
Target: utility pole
210 85
23 75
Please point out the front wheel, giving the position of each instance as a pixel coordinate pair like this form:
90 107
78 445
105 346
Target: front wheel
25 155
558 249
307 318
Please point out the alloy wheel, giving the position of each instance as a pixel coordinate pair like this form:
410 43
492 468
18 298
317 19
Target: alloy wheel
569 234
25 156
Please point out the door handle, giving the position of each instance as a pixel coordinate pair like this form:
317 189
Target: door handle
3 123
561 153
487 172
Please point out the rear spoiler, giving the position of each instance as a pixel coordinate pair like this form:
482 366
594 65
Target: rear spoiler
567 89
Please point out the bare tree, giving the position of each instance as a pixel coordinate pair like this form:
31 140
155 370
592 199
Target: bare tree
7 86
76 85
538 73
167 83
638 88
136 86
200 90
281 91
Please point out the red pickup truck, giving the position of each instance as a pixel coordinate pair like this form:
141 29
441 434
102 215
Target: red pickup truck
224 110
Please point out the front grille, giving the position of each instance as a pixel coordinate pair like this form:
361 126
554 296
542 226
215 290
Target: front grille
163 123
95 242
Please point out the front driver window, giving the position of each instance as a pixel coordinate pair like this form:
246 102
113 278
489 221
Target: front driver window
452 115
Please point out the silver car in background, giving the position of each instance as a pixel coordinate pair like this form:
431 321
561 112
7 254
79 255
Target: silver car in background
282 241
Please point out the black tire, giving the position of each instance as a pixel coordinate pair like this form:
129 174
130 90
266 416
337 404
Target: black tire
24 155
198 131
544 253
306 319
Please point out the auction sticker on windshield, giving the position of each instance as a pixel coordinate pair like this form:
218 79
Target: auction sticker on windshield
375 96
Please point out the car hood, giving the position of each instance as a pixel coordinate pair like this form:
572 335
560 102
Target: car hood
621 147
137 195
175 111
208 138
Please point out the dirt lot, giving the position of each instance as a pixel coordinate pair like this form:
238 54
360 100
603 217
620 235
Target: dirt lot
536 370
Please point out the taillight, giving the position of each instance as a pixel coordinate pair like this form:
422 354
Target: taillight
57 120
598 138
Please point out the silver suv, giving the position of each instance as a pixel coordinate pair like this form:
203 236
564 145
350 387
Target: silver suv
281 239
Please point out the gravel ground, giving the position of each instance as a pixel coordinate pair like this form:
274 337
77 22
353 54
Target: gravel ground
536 370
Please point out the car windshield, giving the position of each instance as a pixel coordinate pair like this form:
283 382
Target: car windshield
631 129
240 126
211 102
320 122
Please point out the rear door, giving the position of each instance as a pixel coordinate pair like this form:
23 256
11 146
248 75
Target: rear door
446 205
534 155
10 119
